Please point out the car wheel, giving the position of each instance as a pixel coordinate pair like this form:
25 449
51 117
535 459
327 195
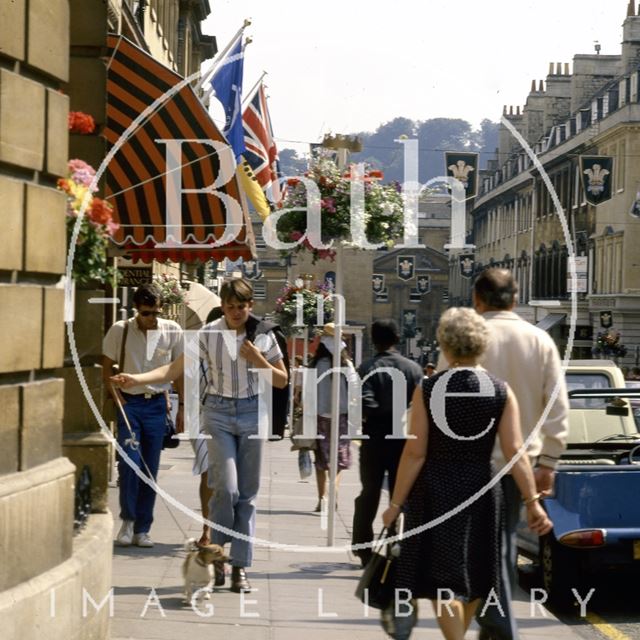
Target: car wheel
560 572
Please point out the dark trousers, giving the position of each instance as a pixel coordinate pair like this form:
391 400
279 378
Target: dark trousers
377 457
148 422
498 626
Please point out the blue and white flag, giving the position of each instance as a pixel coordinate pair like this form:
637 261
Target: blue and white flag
227 85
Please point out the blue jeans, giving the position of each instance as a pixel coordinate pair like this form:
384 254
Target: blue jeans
147 419
499 626
234 471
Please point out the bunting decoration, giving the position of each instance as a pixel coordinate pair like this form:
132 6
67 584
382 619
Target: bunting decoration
423 285
405 267
251 269
463 167
606 319
597 174
467 263
409 323
377 282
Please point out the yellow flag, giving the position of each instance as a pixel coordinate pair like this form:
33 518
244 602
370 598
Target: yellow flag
251 187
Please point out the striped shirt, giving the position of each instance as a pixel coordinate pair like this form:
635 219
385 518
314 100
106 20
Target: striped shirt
228 373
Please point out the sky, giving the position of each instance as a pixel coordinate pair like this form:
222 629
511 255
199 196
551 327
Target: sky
340 67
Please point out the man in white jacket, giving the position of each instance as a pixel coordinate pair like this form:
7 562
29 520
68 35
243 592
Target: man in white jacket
527 359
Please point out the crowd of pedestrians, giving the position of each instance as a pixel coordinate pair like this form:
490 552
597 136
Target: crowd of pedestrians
497 384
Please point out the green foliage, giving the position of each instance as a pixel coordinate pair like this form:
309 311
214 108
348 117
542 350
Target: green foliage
287 306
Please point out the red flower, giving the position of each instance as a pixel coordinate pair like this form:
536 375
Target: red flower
100 211
376 173
292 182
81 122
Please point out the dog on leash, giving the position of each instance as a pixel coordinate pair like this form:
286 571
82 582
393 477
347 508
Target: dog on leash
197 569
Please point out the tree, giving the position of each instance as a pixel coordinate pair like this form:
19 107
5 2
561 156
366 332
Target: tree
291 164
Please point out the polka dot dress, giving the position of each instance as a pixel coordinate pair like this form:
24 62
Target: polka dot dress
462 553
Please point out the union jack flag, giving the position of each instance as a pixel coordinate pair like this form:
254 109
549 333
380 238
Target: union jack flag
261 152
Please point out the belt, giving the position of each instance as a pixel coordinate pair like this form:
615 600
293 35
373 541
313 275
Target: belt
146 396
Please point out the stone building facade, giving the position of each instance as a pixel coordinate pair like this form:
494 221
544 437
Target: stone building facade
37 482
592 110
52 61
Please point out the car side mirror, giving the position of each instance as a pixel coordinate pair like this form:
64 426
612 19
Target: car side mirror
617 407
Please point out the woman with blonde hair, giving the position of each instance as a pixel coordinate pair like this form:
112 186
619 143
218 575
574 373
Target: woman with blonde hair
446 472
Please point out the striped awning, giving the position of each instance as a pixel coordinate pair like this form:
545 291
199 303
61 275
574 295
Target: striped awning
157 188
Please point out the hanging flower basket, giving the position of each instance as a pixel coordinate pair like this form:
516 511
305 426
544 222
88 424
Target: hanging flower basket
96 227
172 290
286 311
608 345
383 215
174 296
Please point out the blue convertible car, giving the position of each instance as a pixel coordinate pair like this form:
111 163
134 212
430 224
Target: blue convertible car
596 505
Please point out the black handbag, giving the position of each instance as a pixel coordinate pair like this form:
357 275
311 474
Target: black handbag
375 588
169 442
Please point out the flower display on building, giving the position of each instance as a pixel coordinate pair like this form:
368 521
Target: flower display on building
382 217
81 123
608 345
313 296
96 227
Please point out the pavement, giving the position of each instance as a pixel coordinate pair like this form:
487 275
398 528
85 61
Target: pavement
297 594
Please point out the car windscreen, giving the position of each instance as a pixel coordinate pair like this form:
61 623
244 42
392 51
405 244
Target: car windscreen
587 381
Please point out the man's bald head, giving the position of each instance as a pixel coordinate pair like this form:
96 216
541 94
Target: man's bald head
495 289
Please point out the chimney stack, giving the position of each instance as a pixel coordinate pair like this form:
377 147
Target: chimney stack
541 86
533 86
559 68
551 68
511 110
518 111
631 11
566 69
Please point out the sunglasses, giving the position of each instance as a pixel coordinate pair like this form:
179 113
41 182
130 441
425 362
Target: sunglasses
146 314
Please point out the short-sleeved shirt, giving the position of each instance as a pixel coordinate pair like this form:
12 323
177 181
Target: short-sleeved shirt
228 373
165 342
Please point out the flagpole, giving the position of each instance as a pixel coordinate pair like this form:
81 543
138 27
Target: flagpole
220 57
254 89
209 90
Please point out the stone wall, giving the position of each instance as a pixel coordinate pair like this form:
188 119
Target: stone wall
36 494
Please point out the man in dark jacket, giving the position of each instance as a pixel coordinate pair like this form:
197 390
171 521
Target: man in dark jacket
378 454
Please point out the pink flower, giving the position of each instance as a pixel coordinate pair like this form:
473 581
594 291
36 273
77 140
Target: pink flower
329 204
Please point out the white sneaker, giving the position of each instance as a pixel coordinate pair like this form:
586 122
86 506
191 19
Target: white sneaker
125 535
142 540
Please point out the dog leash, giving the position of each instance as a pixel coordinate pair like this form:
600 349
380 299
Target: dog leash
135 446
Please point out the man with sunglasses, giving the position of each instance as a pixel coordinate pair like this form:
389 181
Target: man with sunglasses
149 342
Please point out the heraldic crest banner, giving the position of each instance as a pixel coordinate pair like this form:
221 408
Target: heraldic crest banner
597 174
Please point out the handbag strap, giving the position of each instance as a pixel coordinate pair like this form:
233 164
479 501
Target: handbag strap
122 347
381 540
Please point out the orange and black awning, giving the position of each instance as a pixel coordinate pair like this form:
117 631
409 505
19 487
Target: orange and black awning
136 183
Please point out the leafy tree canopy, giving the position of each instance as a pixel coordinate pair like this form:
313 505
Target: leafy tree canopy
435 136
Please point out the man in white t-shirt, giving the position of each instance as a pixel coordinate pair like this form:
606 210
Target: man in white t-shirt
150 342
